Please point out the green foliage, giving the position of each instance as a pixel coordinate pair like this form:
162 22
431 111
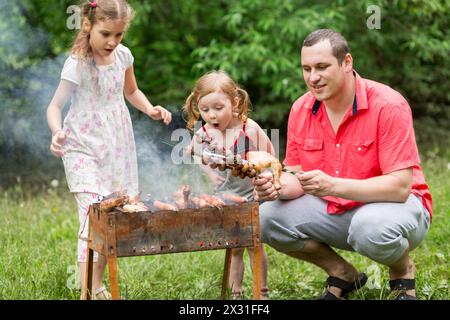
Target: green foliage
261 40
257 42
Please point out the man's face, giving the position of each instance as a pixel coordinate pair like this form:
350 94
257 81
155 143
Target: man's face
322 73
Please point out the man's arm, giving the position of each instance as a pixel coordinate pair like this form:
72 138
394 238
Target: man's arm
394 186
290 186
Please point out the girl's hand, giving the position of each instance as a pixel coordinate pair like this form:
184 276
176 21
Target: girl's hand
58 140
159 113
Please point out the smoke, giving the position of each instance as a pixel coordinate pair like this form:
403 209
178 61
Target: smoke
27 85
159 173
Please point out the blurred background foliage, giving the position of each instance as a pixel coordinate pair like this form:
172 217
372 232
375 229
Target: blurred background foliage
256 41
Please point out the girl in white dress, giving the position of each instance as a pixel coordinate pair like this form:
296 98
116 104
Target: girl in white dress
96 139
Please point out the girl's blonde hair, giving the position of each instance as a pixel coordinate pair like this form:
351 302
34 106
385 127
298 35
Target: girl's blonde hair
215 81
99 10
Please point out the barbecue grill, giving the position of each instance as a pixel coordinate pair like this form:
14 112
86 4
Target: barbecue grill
116 233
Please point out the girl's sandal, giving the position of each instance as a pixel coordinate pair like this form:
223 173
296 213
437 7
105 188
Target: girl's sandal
102 294
264 294
237 295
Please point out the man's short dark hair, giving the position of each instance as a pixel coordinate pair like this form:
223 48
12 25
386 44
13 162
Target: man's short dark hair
338 43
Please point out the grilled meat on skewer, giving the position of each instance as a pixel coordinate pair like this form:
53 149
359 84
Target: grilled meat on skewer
109 204
186 190
212 200
258 161
200 203
138 207
179 200
164 206
234 198
181 197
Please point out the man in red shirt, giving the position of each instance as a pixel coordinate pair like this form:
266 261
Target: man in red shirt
358 185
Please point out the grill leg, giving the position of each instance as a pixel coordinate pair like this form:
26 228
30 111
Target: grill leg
257 271
113 279
226 274
87 291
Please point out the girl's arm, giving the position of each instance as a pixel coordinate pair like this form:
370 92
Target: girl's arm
54 110
137 98
259 137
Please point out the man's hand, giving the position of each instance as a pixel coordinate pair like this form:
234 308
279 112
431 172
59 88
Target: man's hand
264 188
58 140
159 113
317 183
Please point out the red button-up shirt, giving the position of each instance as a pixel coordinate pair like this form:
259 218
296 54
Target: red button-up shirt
376 137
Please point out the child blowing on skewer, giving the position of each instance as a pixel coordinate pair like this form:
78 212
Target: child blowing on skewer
223 105
96 140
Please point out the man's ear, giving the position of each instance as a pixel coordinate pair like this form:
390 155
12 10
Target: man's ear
87 25
348 62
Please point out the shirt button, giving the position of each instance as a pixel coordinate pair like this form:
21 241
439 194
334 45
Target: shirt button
337 171
338 145
359 148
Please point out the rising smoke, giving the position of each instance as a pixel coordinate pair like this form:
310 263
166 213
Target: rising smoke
26 88
26 85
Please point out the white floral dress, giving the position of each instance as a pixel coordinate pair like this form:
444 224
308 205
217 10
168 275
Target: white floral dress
99 152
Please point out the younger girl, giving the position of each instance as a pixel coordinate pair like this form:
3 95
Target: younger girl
96 140
223 105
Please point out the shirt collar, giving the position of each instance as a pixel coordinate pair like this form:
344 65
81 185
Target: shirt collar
359 102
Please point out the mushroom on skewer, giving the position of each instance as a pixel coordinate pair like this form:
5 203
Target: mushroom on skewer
258 162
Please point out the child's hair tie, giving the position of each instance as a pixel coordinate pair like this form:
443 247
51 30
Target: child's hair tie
93 4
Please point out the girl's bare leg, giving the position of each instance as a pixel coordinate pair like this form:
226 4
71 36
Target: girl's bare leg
236 272
99 271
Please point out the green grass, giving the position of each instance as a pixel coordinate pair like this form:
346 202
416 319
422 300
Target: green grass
38 256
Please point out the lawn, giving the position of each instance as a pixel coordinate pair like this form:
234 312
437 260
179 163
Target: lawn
38 255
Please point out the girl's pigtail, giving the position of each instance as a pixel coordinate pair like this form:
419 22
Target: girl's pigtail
81 47
189 109
244 103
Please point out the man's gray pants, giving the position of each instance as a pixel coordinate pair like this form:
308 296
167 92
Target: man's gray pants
381 231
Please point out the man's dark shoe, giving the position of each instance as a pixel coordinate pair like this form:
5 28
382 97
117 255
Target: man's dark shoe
345 286
400 286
